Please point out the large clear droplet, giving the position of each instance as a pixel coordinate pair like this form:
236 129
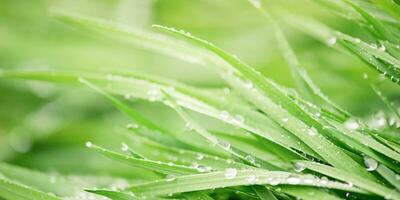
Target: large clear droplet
293 180
299 167
230 173
370 163
351 124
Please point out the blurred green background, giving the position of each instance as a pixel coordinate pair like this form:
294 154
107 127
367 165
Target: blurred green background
44 126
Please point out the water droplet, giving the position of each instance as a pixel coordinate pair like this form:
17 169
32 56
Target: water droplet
224 115
127 96
382 48
124 147
250 159
365 76
238 119
170 177
201 168
230 173
370 163
299 167
349 184
132 126
225 144
373 45
251 179
285 119
199 156
188 126
357 40
293 180
53 179
312 131
273 181
351 124
248 84
170 164
88 144
226 90
154 94
331 41
256 3
323 180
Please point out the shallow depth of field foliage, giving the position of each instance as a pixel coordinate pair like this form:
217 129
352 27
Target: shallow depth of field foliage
199 99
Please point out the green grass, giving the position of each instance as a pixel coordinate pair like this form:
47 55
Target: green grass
187 119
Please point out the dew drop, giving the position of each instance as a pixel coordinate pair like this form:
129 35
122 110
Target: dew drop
299 167
373 45
124 147
349 184
351 124
274 181
88 144
251 179
132 126
248 84
382 48
365 76
154 94
370 163
312 131
53 179
199 156
331 41
201 168
170 177
256 3
224 115
225 144
230 173
323 181
285 119
250 159
238 119
127 96
226 90
293 180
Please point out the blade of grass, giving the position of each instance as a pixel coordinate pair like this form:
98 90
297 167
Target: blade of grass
354 179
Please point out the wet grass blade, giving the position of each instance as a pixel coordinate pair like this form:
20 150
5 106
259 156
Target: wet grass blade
354 179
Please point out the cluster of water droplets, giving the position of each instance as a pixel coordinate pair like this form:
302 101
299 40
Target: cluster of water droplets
235 119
